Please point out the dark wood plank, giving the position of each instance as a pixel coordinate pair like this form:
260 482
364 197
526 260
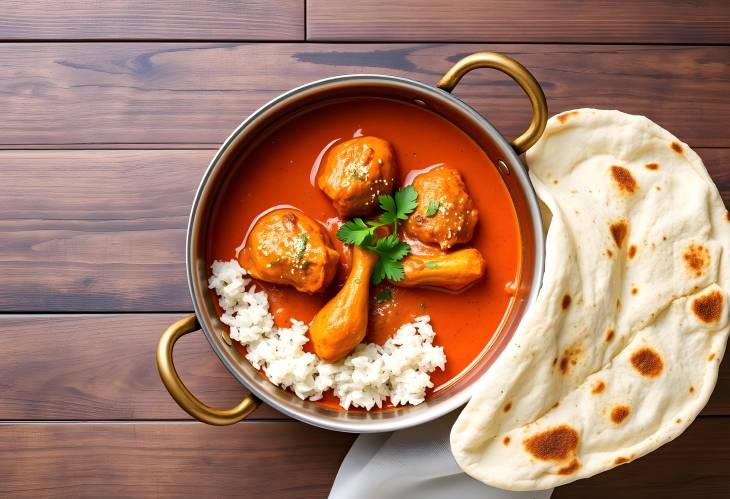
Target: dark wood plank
694 465
606 21
287 460
101 367
159 20
272 460
177 93
105 230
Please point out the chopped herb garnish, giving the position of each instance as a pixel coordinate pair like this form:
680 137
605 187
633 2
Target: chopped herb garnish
433 207
302 245
390 249
305 265
431 265
383 295
357 175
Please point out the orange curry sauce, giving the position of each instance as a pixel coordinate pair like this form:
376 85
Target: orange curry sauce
282 170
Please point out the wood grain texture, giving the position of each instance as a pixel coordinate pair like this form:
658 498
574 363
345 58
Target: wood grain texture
272 460
158 20
606 21
105 230
287 460
102 230
102 367
93 93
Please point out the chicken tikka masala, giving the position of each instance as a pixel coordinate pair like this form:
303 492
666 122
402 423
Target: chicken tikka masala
404 216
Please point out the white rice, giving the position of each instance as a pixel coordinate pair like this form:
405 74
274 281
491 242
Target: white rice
399 369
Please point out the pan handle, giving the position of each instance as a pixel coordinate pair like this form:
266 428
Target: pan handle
179 392
518 73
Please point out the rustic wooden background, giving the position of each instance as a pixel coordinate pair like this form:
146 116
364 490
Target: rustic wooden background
110 112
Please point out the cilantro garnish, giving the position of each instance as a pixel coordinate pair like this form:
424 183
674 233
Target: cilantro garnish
390 249
383 295
397 207
431 265
433 207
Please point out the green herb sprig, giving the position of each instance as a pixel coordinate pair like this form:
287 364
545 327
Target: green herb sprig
390 249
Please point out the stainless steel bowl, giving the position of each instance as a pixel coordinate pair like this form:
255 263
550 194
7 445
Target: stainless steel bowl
437 99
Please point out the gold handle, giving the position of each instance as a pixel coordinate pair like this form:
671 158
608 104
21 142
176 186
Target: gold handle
179 391
518 73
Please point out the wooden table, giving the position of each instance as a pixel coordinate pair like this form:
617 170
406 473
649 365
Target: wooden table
110 112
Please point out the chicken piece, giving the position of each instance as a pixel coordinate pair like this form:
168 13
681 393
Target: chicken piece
445 214
452 271
287 247
341 324
356 172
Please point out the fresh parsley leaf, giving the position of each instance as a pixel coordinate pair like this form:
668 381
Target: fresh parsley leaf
398 207
383 295
387 268
433 207
406 201
355 231
378 272
431 265
387 204
391 247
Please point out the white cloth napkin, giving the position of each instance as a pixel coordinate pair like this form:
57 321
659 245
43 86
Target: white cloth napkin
412 464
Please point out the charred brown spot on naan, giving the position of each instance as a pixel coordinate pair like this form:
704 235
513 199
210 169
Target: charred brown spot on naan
652 166
711 357
506 440
691 389
632 251
696 259
556 444
609 253
618 231
566 301
619 413
621 460
624 180
727 216
647 362
609 334
570 469
708 308
569 358
564 117
678 421
598 388
508 406
634 291
677 147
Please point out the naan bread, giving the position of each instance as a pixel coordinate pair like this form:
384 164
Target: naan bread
621 350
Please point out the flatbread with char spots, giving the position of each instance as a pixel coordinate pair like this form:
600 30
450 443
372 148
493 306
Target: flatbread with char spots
621 350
